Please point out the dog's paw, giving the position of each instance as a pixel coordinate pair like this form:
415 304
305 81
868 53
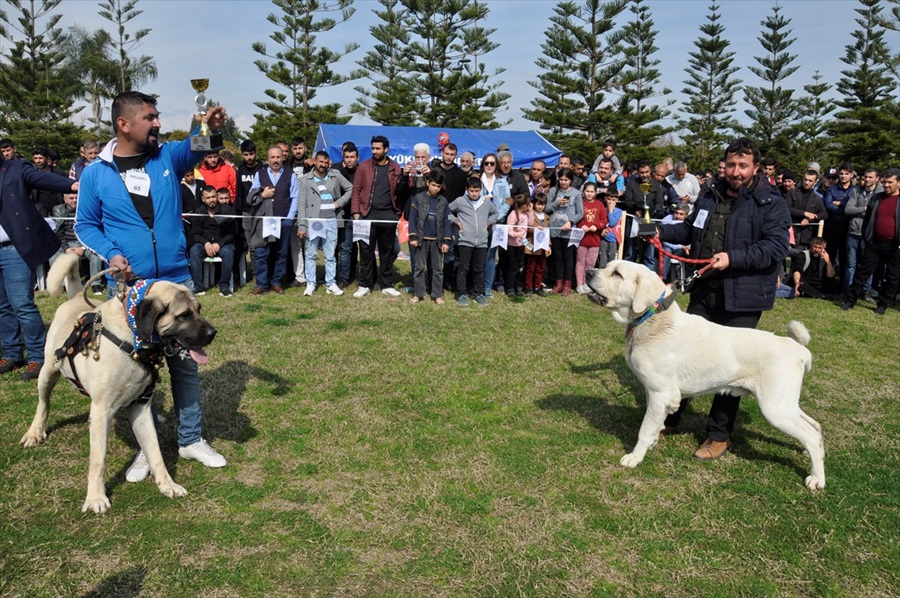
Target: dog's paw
172 490
97 504
32 439
630 460
815 483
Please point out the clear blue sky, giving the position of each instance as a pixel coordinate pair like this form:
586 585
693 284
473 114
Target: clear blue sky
193 38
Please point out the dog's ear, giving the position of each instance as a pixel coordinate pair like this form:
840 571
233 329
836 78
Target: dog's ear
645 291
148 312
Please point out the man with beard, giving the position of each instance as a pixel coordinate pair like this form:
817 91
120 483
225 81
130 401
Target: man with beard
129 213
740 224
245 173
378 196
633 203
45 199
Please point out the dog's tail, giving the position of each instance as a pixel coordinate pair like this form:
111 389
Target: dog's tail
64 273
798 332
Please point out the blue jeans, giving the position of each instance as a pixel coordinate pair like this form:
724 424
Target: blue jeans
261 258
19 315
328 245
345 236
198 254
856 246
185 379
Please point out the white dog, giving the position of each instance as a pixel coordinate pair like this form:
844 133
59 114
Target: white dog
720 360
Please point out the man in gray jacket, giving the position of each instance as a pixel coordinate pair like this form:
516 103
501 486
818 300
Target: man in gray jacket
323 194
855 210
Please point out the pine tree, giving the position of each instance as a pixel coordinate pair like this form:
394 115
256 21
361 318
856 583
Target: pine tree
581 65
813 110
455 93
773 109
134 72
302 68
391 97
864 132
36 90
710 92
638 82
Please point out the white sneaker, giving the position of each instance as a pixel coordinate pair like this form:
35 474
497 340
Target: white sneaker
390 292
310 290
362 292
139 469
333 289
201 451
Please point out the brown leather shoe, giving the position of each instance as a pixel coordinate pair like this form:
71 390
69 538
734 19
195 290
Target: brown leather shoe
277 289
711 450
259 291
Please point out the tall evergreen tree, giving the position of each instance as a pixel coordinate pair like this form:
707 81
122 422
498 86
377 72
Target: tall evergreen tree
813 110
301 67
391 98
134 71
36 92
710 91
639 81
455 93
865 130
580 66
773 109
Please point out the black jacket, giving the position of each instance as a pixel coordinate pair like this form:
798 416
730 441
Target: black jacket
208 229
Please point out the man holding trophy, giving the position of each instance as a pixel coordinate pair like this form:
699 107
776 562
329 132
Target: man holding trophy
129 213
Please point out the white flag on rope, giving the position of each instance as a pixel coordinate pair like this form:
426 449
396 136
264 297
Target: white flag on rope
316 228
541 239
271 227
362 229
500 236
575 236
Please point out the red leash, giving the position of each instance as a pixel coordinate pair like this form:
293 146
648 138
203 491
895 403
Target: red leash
659 247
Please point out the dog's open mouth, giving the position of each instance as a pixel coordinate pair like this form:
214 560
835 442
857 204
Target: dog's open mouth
597 298
174 347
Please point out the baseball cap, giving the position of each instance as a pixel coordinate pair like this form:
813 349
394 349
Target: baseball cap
831 173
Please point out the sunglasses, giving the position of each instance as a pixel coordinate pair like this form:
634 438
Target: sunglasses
489 163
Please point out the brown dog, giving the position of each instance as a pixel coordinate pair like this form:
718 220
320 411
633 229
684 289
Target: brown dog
111 376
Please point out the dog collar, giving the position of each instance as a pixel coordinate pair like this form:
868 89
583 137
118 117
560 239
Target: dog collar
132 300
661 304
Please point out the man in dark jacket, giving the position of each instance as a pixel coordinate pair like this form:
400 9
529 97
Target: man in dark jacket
213 237
633 202
881 233
741 225
806 208
26 242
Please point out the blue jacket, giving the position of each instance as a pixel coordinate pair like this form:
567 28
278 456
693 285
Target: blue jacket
29 232
756 241
108 223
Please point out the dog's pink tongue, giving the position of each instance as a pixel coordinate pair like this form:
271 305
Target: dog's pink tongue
199 356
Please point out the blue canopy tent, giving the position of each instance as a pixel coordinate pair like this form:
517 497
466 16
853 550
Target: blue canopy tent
526 146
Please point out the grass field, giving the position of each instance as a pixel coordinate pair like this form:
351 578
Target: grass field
378 448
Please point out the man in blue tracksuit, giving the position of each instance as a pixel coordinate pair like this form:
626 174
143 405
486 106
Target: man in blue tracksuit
129 213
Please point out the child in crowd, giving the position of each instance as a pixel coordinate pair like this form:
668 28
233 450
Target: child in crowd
565 209
429 234
609 151
536 259
593 221
518 220
609 246
474 216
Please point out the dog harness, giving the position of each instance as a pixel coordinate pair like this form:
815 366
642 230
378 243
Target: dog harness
85 338
661 304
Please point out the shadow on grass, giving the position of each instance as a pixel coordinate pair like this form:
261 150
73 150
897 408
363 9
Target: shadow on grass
126 584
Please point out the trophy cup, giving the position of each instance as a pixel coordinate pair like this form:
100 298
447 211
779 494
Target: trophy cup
206 141
646 228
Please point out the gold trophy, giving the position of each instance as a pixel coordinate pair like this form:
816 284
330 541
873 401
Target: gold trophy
206 141
646 228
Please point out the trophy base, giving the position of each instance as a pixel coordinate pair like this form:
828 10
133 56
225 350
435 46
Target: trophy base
646 229
211 143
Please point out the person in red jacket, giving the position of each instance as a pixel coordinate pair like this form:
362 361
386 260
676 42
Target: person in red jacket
217 173
592 223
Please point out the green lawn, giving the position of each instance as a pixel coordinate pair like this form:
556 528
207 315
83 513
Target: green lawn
378 448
